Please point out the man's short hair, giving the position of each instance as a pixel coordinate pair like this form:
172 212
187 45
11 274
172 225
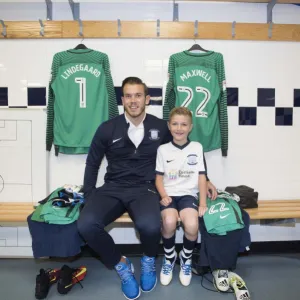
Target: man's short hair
134 80
182 111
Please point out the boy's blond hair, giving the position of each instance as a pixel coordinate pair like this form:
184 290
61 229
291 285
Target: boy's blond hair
182 111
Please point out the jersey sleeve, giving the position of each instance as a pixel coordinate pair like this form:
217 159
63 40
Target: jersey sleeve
223 106
159 169
112 101
170 96
201 162
50 106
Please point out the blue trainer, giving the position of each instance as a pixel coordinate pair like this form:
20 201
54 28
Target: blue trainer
130 287
148 273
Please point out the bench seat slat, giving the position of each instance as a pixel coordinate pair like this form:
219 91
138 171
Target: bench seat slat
274 215
268 209
273 209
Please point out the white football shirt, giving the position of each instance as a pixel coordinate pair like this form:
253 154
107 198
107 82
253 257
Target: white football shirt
181 166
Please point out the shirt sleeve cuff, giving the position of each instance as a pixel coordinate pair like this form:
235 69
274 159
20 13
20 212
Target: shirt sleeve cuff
224 152
159 173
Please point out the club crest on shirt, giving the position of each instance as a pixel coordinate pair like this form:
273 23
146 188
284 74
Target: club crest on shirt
192 159
154 134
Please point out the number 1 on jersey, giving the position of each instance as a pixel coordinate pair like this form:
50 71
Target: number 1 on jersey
82 91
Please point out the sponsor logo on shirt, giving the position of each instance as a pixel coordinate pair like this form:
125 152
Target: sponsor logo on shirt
172 175
185 174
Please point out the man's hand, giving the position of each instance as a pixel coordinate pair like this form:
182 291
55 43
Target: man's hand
165 201
201 210
211 191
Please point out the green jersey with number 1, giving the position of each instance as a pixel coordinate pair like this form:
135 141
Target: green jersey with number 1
81 97
197 81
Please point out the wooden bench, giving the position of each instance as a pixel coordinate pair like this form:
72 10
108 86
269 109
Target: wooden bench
267 209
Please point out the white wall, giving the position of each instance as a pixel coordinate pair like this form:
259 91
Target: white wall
264 156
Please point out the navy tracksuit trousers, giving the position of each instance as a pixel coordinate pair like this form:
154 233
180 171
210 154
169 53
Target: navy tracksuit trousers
107 203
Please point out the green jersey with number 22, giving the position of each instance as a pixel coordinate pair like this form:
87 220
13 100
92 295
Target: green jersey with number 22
197 81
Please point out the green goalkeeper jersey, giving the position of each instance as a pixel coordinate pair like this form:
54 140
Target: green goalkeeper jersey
81 97
197 81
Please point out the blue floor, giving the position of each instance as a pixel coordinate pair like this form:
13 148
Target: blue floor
268 277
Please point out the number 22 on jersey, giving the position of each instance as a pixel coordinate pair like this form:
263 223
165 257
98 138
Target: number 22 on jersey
200 110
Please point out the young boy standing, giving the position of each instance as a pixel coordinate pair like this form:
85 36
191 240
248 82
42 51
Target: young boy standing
180 176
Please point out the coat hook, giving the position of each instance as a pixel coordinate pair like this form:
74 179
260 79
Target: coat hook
4 32
233 29
158 28
196 28
119 27
80 27
270 29
42 31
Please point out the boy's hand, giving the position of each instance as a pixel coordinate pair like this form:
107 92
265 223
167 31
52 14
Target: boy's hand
202 209
165 201
211 191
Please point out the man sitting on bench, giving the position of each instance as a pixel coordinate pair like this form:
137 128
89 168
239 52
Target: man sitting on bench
130 142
